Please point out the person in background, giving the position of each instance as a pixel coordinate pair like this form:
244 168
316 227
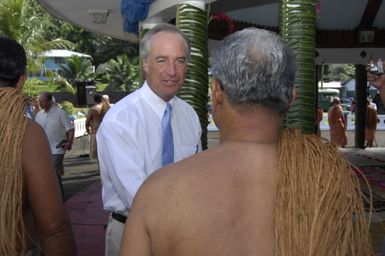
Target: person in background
33 220
353 107
337 124
106 105
318 118
29 108
106 98
94 118
149 128
263 190
370 124
371 103
378 81
59 130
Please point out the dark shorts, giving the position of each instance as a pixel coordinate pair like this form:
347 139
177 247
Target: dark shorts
58 163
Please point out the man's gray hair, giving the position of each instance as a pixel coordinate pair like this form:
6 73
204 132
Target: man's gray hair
256 69
163 27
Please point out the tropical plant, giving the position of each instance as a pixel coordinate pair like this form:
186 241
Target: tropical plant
338 72
63 85
68 107
76 69
298 29
123 74
192 21
101 48
26 22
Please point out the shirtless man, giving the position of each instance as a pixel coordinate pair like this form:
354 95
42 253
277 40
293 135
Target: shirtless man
26 167
220 202
94 118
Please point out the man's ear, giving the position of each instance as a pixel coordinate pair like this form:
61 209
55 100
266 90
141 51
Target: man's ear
293 98
145 66
20 83
216 91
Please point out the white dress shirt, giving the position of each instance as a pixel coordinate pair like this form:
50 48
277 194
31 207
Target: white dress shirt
129 142
55 124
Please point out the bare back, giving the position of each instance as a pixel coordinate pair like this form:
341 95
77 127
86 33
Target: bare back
221 203
94 117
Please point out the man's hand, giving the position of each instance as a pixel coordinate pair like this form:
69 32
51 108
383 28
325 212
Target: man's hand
67 145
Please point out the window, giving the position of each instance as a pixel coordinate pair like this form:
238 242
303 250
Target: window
59 60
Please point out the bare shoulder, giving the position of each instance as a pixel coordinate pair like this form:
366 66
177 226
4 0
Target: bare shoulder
35 146
34 133
166 183
194 174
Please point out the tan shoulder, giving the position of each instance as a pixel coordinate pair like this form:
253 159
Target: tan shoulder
35 142
167 183
173 180
32 130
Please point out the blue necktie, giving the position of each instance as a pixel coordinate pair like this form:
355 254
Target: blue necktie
168 141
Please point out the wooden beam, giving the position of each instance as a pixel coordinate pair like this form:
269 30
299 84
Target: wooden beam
233 5
370 13
217 30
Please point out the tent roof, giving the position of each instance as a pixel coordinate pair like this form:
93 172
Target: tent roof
339 22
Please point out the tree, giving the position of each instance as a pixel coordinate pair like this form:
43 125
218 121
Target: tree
23 21
338 72
63 85
101 48
122 73
76 69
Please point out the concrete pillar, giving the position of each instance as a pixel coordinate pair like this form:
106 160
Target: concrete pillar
360 113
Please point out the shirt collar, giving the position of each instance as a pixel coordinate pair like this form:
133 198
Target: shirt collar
157 104
49 110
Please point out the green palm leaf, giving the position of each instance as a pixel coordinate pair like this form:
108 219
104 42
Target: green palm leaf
297 20
192 21
20 20
124 74
76 69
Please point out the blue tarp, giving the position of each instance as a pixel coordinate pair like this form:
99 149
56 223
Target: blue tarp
134 11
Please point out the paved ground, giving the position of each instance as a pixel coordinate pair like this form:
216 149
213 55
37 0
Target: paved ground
83 191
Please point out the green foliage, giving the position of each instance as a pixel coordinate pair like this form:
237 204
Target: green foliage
101 87
26 22
298 20
76 69
63 85
122 74
101 48
192 21
34 86
338 72
68 107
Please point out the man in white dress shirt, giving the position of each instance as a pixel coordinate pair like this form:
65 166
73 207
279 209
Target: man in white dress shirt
59 131
130 136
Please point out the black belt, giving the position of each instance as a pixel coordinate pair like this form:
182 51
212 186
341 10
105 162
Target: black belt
119 217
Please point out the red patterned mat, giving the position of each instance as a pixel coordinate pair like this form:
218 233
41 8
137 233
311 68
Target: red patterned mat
375 175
